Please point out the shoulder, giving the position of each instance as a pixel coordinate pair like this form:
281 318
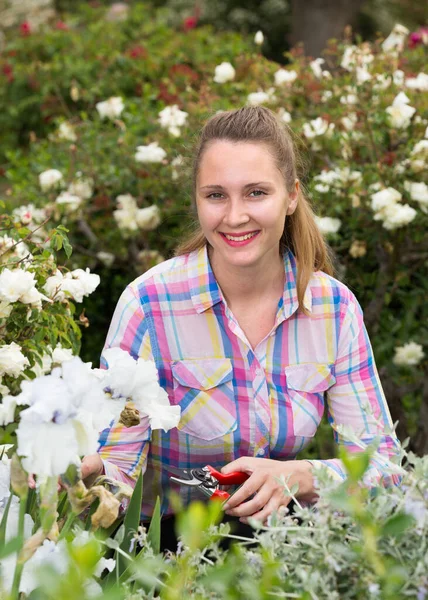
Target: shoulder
327 289
172 271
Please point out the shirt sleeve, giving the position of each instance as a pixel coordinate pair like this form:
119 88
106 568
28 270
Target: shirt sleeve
357 409
124 450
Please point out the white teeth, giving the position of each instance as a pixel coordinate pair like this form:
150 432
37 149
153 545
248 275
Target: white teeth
240 238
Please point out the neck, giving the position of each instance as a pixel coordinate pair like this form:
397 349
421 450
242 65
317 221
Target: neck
248 283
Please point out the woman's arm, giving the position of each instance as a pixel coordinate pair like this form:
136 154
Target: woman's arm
357 409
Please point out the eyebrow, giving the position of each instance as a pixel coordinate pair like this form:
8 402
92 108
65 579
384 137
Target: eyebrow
248 185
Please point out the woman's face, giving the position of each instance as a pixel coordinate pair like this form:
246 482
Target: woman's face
242 202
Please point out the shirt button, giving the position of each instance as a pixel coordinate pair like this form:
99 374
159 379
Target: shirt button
260 452
259 372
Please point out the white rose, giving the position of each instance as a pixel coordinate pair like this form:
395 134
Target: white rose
284 115
420 82
316 67
49 179
82 187
382 81
398 77
148 218
322 188
327 177
15 284
326 95
53 286
396 39
90 281
327 225
384 198
259 38
420 149
111 108
172 118
60 355
260 97
349 99
349 58
396 215
152 153
350 121
409 354
317 127
125 216
224 73
12 361
70 201
28 213
362 75
66 132
400 115
282 76
107 258
418 192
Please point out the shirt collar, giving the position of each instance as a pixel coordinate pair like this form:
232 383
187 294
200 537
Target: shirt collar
204 288
205 291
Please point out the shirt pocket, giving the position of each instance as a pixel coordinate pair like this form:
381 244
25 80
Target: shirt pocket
306 385
203 388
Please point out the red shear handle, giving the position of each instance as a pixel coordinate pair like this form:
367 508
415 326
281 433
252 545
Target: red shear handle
220 495
229 478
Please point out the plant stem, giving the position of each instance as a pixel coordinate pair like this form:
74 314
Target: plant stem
19 564
67 525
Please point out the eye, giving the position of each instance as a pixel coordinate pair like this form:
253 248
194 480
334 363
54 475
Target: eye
258 193
215 195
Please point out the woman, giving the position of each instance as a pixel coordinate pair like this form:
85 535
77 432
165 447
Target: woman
249 332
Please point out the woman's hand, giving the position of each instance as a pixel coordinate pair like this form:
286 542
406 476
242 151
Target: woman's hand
264 482
91 468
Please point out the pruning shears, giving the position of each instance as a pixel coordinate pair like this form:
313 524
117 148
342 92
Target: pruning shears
207 479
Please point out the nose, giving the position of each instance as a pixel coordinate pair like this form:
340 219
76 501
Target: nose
236 214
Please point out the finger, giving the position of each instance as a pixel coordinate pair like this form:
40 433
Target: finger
247 489
31 481
273 505
255 505
240 464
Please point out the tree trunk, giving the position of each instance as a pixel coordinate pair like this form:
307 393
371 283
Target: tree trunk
313 22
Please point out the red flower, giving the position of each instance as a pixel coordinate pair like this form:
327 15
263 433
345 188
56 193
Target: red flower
61 25
25 28
190 23
8 72
137 52
418 37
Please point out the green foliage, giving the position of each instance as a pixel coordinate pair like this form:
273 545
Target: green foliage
151 66
353 545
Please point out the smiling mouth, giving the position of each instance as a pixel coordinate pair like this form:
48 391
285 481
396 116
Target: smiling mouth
239 238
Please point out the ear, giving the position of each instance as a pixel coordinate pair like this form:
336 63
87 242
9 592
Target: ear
293 198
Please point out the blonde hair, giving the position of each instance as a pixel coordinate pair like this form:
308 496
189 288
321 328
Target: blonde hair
301 234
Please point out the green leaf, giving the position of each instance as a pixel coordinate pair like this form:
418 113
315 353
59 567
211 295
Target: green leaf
396 525
355 464
130 525
4 521
153 535
10 547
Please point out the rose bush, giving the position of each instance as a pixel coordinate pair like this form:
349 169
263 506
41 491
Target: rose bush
110 132
107 165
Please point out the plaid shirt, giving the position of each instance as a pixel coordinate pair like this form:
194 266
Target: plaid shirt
235 400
